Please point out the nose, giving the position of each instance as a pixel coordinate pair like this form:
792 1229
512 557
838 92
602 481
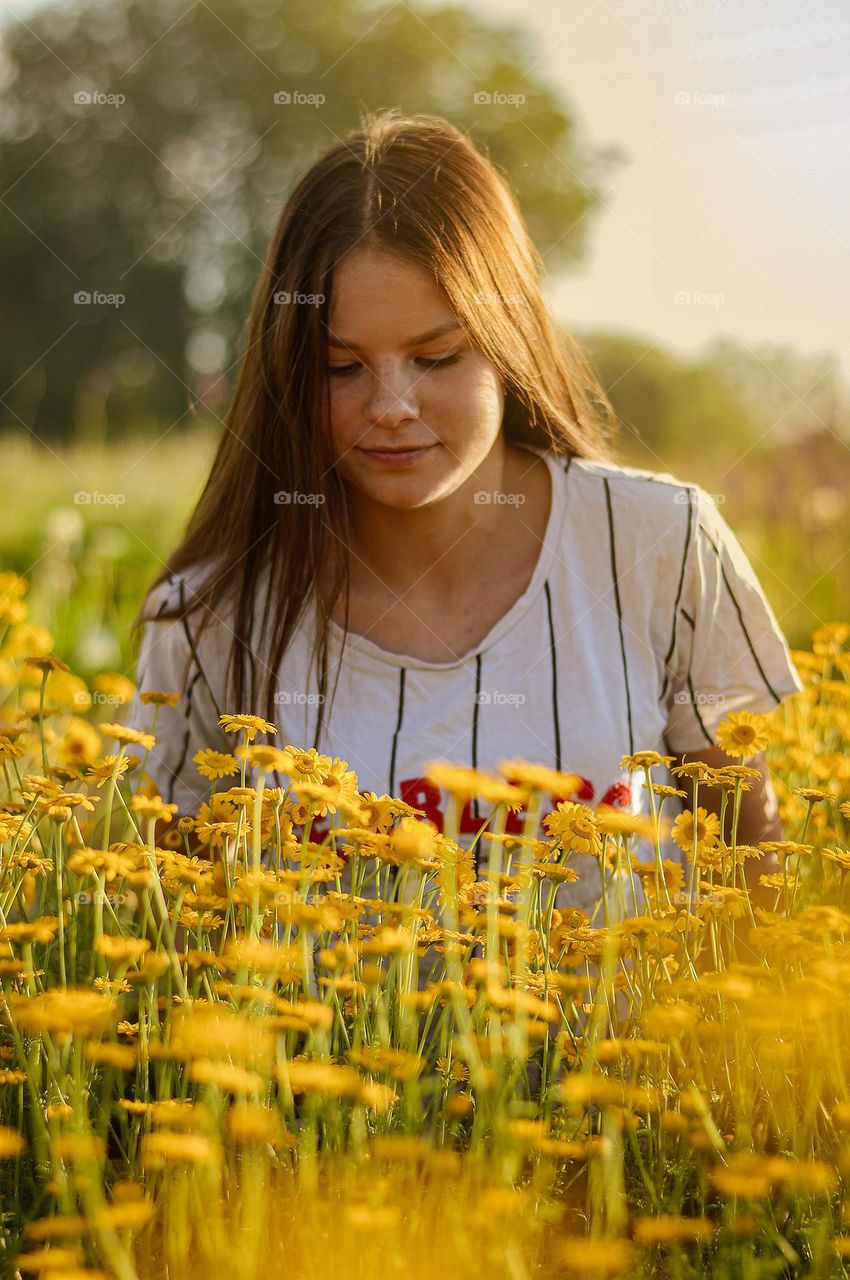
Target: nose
392 397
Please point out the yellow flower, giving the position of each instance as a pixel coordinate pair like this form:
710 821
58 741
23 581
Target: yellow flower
47 664
225 1075
12 1143
107 767
115 947
670 1229
123 733
181 1148
467 784
156 698
743 733
538 778
574 826
41 930
603 1256
153 807
114 685
250 725
305 766
263 756
215 764
644 760
319 1077
45 1259
704 831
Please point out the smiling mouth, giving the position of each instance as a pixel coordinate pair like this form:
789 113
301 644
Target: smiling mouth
413 448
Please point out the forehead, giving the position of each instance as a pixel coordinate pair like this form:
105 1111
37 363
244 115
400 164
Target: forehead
383 299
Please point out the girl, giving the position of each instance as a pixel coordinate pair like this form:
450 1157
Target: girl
415 494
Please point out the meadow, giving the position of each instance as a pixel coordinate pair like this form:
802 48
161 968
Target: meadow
228 1048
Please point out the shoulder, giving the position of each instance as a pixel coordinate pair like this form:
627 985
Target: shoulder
176 595
655 503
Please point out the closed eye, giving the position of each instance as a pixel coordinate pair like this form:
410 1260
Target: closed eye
344 369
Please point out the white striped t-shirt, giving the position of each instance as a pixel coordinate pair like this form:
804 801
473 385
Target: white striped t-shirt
642 627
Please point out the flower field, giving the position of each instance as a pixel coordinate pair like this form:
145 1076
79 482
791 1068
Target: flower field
228 1049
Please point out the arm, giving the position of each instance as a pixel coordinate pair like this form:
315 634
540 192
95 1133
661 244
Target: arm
758 818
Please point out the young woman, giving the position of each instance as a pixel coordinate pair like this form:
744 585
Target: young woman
415 495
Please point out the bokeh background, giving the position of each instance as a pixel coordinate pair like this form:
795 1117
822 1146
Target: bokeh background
682 167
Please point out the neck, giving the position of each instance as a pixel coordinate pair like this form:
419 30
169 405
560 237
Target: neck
435 549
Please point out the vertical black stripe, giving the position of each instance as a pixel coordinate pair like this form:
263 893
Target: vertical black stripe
402 673
672 644
475 705
320 709
568 464
555 717
706 734
750 645
619 612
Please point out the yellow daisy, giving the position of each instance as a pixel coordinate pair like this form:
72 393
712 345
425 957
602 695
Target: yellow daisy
215 764
122 733
705 830
251 725
743 734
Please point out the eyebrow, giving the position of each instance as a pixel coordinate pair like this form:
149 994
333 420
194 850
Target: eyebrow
448 326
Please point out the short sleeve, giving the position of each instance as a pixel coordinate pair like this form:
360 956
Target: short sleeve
729 653
172 660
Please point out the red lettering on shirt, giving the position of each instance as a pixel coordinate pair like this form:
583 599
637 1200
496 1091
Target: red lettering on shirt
421 793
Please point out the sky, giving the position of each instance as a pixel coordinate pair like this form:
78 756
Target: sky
730 214
726 215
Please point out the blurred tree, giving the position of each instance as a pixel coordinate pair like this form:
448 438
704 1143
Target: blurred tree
789 393
167 197
675 412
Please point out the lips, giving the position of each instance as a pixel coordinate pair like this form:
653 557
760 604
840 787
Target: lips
408 448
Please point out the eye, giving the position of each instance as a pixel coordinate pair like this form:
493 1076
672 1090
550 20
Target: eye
342 370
